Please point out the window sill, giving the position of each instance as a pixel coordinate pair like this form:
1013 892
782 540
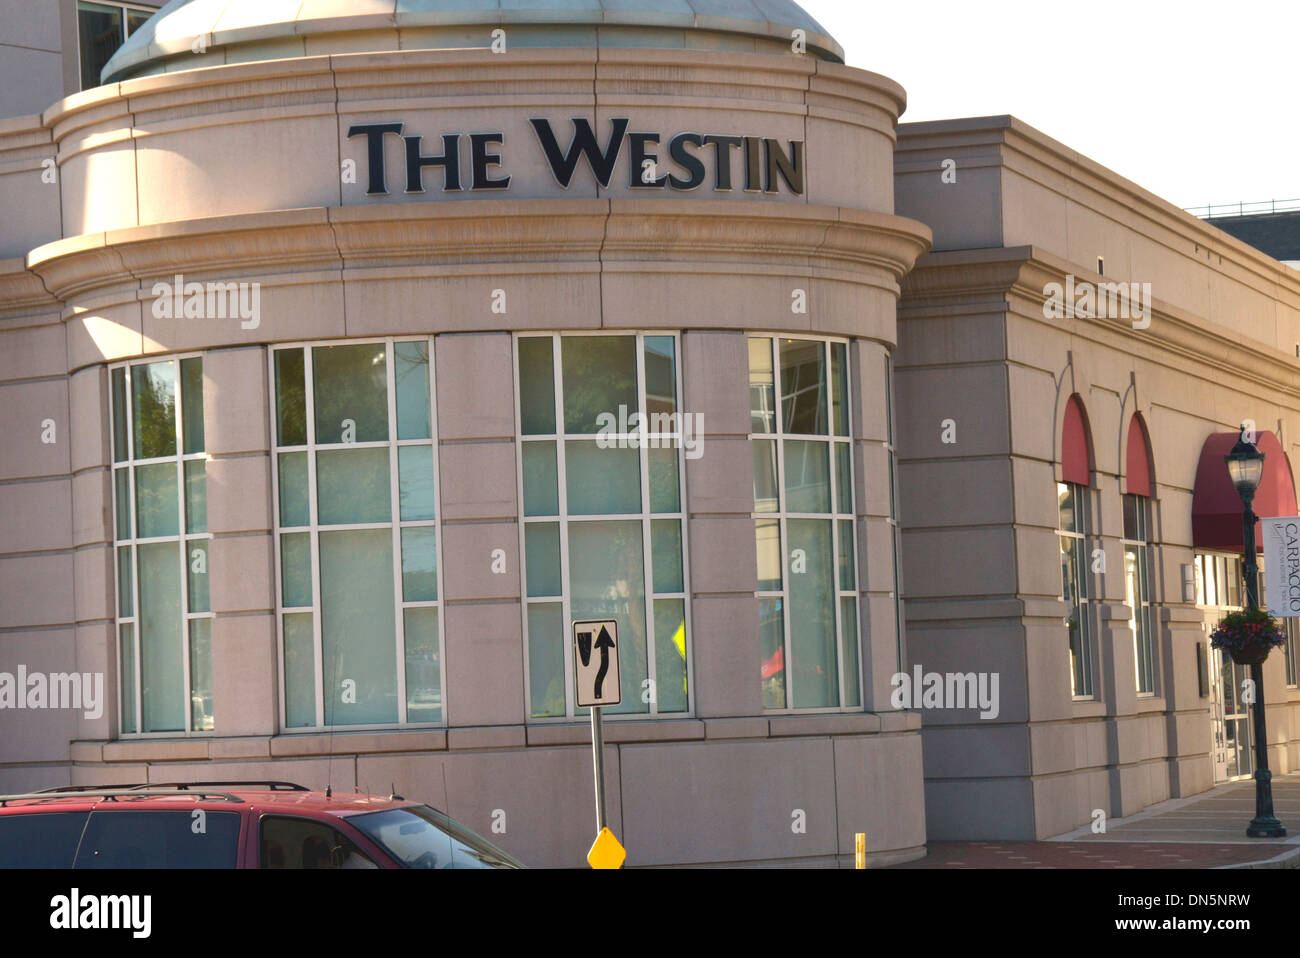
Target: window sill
1089 708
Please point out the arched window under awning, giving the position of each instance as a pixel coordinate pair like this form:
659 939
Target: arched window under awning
1137 460
1076 457
1216 507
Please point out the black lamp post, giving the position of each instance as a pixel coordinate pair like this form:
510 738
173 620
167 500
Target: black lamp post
1246 467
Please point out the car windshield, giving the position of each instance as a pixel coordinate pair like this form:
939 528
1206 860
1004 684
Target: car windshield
422 837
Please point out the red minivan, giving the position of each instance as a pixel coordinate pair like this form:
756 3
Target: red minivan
232 825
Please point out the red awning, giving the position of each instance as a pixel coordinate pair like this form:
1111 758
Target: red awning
1137 465
1216 507
1076 463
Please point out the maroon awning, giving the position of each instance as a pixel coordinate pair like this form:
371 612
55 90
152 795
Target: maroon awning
1137 464
1216 507
1076 463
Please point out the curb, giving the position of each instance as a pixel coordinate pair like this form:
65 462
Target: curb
1288 859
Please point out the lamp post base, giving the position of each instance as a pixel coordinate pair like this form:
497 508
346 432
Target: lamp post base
1265 828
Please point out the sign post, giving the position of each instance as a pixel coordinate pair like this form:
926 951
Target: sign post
595 655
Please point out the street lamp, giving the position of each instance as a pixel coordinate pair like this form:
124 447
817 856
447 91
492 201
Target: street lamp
1246 467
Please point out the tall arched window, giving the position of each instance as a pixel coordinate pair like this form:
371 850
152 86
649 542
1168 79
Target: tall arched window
1074 527
1138 552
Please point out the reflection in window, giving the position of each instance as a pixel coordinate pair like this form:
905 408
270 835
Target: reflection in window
161 523
604 528
357 536
101 29
1072 530
804 525
1137 587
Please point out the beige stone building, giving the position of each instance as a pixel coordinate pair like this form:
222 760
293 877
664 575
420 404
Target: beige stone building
351 352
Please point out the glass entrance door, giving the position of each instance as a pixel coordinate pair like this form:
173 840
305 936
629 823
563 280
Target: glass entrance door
1220 591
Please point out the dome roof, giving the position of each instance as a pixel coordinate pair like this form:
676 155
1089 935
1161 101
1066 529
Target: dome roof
222 31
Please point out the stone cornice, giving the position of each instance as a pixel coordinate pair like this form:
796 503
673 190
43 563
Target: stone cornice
807 240
22 292
1017 276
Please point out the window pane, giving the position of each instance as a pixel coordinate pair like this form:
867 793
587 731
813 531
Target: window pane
840 388
162 677
120 412
607 581
660 378
843 479
849 649
1065 506
767 534
290 398
670 655
197 584
1130 518
121 482
762 387
358 627
196 495
546 659
847 544
807 477
153 386
192 405
352 486
420 564
666 553
411 367
602 481
135 19
816 678
416 500
201 675
665 485
536 386
125 590
350 390
771 632
541 481
599 376
423 666
100 33
157 507
542 547
295 569
126 635
299 670
294 504
803 386
766 496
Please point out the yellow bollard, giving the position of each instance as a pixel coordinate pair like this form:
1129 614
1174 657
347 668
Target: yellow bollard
860 850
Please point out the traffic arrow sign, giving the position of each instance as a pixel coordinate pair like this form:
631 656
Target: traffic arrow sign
595 644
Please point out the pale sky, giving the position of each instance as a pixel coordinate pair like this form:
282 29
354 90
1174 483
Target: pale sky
1194 100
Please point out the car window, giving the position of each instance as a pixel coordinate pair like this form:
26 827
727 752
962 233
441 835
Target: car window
289 842
40 839
185 838
422 837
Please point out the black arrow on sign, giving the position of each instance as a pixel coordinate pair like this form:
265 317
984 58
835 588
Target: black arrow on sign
604 643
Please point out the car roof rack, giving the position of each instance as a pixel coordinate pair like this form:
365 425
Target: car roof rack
224 783
113 793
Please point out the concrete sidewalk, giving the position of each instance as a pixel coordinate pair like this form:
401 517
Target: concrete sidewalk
1204 831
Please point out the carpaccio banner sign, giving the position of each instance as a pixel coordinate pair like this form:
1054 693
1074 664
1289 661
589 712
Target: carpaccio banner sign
725 162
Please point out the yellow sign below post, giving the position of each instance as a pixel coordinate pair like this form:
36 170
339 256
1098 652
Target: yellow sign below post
606 852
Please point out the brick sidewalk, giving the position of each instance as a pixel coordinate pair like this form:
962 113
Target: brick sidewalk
1203 831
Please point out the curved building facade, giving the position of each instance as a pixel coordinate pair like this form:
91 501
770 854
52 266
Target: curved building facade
383 345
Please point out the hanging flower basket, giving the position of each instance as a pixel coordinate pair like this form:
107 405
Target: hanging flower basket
1248 636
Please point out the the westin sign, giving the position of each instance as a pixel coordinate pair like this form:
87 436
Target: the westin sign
725 162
